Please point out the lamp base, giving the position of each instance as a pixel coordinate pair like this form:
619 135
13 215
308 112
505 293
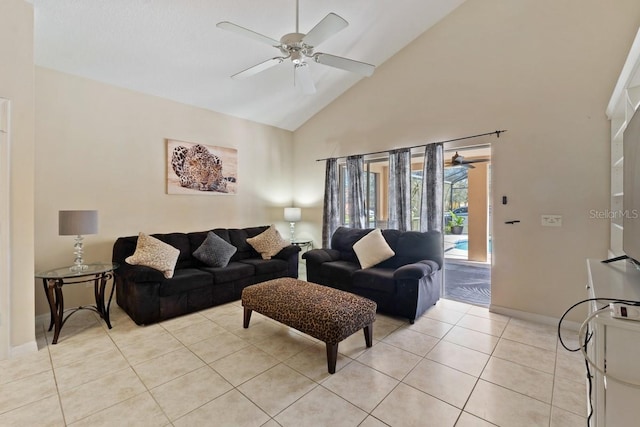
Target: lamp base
78 263
293 230
77 268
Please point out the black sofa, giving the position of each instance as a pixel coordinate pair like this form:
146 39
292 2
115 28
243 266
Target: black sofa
405 285
148 297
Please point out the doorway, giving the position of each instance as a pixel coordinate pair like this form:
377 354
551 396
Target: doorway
467 224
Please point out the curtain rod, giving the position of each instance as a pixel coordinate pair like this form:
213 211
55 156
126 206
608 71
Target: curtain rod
495 132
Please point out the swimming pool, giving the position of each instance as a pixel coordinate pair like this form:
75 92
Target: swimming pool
464 245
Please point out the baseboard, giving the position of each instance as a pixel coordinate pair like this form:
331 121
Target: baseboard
26 348
533 317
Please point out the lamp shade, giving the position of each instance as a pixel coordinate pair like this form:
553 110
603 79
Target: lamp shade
76 223
292 214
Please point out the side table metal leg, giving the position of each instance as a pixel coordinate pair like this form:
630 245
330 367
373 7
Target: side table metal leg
113 288
96 295
50 300
59 310
100 285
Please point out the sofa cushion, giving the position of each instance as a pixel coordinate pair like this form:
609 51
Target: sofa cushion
343 240
238 238
392 237
372 249
197 237
214 251
376 279
232 272
414 246
179 241
339 271
154 253
268 243
185 280
266 266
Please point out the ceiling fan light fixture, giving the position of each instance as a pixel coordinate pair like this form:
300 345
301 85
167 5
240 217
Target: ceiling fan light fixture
296 57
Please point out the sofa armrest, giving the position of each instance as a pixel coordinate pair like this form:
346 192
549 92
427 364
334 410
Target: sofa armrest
287 252
290 254
416 270
319 256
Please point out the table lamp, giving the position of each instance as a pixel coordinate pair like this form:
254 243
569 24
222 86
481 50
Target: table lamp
77 223
292 215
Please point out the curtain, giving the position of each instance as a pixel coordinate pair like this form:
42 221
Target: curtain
431 206
331 211
355 192
400 189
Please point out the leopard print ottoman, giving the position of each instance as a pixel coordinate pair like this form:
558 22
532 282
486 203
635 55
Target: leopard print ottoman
327 314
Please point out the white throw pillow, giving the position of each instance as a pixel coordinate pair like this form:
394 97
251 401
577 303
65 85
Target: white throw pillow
268 243
372 249
155 254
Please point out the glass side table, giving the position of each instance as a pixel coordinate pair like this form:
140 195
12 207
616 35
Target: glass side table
303 243
54 280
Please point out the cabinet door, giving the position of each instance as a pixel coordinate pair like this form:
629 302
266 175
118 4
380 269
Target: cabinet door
622 350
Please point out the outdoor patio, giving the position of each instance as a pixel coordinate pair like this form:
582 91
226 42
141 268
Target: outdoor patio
465 281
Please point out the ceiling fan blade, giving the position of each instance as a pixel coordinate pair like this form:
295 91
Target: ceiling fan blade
476 161
302 75
327 27
345 64
257 68
229 26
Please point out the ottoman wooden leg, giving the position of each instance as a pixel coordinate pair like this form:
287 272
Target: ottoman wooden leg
247 317
332 357
368 334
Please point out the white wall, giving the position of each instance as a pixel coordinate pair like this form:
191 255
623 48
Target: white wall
102 147
542 70
17 85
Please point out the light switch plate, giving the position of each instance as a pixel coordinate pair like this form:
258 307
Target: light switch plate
551 220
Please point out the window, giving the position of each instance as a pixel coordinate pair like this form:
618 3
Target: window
377 192
371 191
416 194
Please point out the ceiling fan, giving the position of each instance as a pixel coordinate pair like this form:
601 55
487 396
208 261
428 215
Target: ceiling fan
458 160
299 48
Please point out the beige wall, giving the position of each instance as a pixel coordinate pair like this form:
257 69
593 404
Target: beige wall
17 85
101 147
542 70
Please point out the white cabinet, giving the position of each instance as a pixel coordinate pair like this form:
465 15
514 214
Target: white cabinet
615 345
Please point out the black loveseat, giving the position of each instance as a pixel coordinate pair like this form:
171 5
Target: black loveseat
148 297
405 285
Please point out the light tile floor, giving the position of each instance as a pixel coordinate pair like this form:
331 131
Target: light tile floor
457 365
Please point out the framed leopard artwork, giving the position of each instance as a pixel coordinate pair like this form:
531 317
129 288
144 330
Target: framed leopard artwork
201 169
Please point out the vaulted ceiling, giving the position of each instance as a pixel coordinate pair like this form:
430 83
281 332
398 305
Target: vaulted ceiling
173 49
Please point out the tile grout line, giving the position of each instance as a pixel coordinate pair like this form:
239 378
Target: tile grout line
466 402
321 382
